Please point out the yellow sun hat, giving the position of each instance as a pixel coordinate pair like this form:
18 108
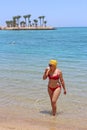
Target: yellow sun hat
53 62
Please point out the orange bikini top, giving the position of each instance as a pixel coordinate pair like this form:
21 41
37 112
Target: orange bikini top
56 77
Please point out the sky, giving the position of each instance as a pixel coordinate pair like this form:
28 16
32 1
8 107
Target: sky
58 13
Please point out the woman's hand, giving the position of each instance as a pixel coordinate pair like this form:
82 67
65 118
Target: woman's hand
65 92
46 73
47 68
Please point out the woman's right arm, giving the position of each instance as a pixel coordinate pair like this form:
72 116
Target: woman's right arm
45 75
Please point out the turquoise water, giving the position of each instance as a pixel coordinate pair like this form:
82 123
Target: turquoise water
23 58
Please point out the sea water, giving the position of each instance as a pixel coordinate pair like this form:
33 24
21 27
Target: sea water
24 55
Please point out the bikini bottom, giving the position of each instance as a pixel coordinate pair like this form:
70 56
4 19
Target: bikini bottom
53 89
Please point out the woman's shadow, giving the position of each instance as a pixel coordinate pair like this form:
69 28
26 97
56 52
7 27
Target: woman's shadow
46 112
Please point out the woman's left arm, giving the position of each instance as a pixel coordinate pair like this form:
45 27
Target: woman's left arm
62 82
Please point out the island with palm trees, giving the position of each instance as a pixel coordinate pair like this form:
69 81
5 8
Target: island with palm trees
27 24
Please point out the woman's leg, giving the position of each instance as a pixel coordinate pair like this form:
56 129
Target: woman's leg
55 97
50 94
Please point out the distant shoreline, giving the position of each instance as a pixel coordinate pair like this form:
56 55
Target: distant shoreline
28 28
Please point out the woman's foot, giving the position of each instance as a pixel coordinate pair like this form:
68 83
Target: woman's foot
54 112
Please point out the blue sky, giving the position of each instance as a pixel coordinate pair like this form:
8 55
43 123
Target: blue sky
59 13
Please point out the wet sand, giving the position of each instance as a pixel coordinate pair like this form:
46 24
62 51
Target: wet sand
16 118
15 123
37 126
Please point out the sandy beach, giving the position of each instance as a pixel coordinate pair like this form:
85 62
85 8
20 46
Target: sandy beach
15 121
28 28
40 125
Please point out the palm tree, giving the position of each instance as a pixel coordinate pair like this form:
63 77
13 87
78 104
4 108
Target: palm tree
11 23
35 21
8 23
25 16
29 23
22 23
40 19
14 21
18 17
32 24
28 16
43 20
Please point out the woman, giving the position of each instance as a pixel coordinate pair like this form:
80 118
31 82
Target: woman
56 82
